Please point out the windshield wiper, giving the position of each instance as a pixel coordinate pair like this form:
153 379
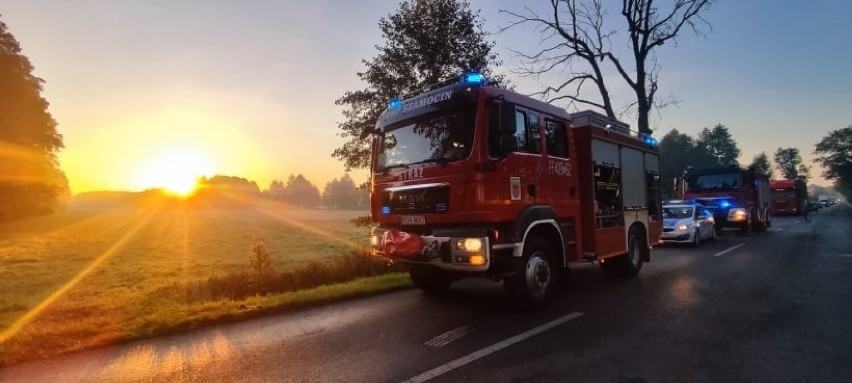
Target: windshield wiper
389 167
442 161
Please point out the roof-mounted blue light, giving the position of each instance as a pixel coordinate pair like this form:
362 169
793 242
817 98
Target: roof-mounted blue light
473 79
648 140
395 104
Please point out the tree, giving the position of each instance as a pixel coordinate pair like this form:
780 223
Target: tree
791 165
301 192
31 181
225 192
719 143
761 164
578 41
426 41
277 190
834 153
677 152
343 194
674 150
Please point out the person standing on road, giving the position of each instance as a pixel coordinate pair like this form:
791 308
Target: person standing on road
807 213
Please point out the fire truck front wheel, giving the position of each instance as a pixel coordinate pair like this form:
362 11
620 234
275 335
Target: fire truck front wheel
534 279
430 279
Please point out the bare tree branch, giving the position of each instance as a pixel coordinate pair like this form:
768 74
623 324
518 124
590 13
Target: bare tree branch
585 43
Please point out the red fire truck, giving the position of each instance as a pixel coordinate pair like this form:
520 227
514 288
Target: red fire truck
788 196
469 180
737 197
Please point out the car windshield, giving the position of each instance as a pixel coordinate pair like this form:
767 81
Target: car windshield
713 182
434 138
678 211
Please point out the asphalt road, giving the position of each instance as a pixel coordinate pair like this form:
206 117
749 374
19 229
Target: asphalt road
771 307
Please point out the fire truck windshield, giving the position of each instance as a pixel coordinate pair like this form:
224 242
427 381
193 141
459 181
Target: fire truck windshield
713 182
443 137
783 193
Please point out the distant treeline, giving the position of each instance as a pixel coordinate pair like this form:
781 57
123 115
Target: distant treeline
236 192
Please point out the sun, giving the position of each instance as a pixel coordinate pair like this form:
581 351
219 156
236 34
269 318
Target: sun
176 171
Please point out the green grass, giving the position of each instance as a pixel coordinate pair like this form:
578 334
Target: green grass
81 279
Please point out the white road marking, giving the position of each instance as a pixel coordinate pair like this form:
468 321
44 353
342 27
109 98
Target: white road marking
730 249
846 255
776 230
481 353
449 336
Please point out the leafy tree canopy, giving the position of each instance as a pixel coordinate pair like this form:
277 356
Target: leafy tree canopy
719 144
761 164
425 42
834 153
31 181
791 165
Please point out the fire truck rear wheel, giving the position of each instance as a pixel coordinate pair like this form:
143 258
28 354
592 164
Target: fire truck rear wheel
535 276
430 279
627 265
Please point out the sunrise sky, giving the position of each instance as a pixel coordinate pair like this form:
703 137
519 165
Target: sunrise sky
247 88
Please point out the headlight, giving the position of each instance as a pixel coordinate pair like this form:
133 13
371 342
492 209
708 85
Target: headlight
469 244
375 240
681 227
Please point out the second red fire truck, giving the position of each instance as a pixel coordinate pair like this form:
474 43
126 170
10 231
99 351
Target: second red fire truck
788 196
470 180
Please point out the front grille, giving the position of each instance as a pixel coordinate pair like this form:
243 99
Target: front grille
667 230
425 200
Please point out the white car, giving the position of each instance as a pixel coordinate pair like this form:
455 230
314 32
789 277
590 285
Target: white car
685 222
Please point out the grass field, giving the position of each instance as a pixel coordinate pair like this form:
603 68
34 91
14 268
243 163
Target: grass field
82 278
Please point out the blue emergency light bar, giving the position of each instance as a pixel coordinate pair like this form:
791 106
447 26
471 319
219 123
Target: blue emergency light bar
648 140
473 79
395 104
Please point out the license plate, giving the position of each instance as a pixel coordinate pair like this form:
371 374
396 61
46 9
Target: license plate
412 220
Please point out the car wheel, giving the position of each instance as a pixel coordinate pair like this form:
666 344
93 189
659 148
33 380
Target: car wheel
696 240
713 233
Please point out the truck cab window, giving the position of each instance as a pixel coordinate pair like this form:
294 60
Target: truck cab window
528 134
556 139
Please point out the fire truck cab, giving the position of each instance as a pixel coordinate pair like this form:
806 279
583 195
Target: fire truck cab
470 180
788 196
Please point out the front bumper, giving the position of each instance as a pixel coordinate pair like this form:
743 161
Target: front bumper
440 250
676 236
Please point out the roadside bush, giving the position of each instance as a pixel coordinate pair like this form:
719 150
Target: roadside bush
261 278
262 269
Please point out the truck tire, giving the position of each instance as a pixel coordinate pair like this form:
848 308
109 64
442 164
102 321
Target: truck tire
761 224
748 225
627 265
532 284
430 279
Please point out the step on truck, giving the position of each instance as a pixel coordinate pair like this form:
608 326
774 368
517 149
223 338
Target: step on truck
471 180
738 197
